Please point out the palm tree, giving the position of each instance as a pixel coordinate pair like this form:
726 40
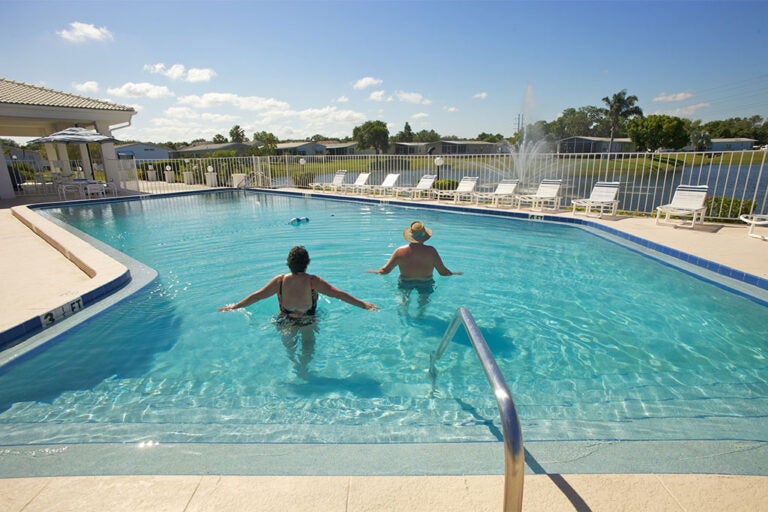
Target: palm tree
620 106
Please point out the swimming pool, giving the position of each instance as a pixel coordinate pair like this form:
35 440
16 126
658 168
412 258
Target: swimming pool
597 342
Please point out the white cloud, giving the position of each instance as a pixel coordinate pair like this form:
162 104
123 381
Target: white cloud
218 118
420 115
200 75
82 32
341 99
377 96
181 113
412 97
88 87
678 96
451 109
366 82
140 90
218 99
480 96
688 111
180 72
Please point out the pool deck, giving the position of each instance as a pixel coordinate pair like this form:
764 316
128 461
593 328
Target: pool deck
36 275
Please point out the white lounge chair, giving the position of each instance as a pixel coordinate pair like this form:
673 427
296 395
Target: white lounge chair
387 186
465 190
95 190
504 190
603 196
755 220
548 192
422 188
688 200
338 180
358 185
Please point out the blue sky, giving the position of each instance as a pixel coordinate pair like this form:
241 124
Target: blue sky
193 69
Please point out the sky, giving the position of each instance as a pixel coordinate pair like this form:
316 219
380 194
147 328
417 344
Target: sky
193 69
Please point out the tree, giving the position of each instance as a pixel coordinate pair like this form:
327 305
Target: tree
658 131
404 136
219 139
620 109
372 134
700 140
489 137
237 134
426 136
269 142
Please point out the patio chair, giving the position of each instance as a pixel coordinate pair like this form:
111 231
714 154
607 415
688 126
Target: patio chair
688 200
110 187
755 220
603 196
548 192
465 190
387 186
504 190
422 188
338 180
358 185
95 190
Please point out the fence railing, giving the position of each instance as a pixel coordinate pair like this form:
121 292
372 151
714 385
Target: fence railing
737 180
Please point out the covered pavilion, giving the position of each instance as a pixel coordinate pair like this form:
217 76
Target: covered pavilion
32 111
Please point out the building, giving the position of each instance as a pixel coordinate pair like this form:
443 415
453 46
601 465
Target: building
734 144
307 148
595 145
447 147
142 151
336 148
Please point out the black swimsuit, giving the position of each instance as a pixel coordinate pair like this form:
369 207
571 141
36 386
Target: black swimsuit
287 313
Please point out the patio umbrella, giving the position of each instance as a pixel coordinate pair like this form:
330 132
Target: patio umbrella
75 135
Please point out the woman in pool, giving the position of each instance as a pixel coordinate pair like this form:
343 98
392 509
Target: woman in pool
297 295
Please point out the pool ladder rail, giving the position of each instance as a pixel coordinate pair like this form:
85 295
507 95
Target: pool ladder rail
514 455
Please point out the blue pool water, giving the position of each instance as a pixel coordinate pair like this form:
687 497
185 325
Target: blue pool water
597 342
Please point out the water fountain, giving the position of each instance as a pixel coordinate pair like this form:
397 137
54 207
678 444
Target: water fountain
528 163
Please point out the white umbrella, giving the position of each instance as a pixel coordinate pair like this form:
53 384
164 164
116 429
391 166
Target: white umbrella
75 135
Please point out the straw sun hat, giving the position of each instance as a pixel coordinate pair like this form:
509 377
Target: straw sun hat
417 232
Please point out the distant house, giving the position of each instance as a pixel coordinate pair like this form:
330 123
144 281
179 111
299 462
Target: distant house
735 144
446 147
595 145
141 151
300 148
336 148
208 149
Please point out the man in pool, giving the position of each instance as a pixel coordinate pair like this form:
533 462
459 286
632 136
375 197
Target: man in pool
416 262
297 295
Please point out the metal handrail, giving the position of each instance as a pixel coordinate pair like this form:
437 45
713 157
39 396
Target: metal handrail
514 455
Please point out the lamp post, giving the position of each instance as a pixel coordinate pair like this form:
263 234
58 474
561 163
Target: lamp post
438 163
14 173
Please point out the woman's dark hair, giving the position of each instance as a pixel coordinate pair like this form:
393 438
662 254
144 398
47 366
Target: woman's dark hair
298 259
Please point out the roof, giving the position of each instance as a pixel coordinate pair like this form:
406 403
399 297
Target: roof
218 147
734 139
285 145
20 93
598 139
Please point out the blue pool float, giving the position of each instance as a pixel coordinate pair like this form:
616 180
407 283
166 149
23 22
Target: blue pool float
298 220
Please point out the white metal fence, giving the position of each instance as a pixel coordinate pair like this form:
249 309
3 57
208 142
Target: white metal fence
737 181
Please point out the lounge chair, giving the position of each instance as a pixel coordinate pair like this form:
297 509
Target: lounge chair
755 220
358 185
687 200
603 196
422 188
465 190
548 192
338 180
504 190
387 186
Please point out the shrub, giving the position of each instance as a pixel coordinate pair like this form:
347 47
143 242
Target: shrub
728 207
303 179
446 185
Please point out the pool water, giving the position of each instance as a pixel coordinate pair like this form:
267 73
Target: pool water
597 342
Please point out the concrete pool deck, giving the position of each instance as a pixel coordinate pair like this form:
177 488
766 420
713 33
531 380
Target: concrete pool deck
34 273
